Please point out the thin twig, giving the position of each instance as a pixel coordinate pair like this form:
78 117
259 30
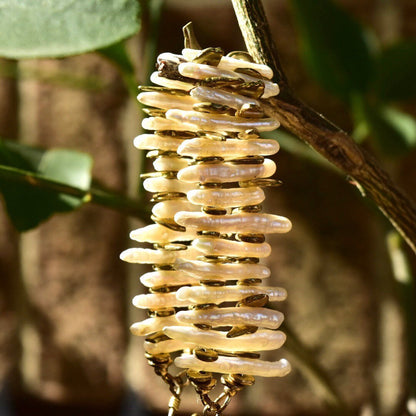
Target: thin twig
132 207
326 138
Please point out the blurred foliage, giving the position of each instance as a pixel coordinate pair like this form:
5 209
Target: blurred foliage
118 55
56 29
338 53
27 204
335 48
394 130
346 60
39 29
395 69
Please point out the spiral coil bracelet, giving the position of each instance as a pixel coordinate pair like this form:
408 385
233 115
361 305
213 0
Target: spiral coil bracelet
206 300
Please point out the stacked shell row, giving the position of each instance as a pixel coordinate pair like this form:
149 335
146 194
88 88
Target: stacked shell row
206 295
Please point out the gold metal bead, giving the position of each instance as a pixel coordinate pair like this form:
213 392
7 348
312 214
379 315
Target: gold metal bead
152 88
161 312
241 55
209 56
253 89
159 359
255 300
156 337
237 331
251 238
206 354
204 327
169 223
213 108
250 71
234 82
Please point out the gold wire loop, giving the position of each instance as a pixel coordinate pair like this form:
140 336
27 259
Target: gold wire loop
209 412
212 408
174 403
223 400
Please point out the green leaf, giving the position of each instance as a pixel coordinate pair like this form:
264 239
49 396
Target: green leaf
395 72
70 168
334 46
28 205
18 155
394 131
56 28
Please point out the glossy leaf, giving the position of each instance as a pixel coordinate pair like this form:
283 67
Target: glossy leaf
28 205
70 168
334 46
41 28
395 72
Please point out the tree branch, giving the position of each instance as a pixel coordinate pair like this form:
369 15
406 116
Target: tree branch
326 138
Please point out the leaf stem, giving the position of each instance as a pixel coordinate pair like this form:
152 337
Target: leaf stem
96 195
